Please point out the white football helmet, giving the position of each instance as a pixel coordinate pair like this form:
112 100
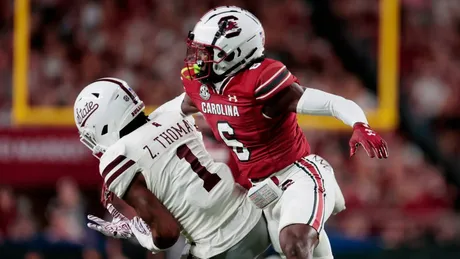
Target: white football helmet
102 110
224 41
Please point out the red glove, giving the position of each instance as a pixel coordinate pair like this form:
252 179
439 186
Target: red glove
370 140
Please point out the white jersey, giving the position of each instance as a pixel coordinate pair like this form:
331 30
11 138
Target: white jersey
201 194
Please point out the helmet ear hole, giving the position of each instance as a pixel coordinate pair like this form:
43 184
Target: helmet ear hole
221 54
230 57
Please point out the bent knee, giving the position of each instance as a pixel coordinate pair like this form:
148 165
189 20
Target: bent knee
298 240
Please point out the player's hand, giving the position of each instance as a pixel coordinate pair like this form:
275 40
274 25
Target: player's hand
364 136
118 228
143 234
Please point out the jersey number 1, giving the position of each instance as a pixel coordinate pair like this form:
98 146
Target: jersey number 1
209 180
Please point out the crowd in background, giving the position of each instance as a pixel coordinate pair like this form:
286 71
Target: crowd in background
429 59
401 201
411 191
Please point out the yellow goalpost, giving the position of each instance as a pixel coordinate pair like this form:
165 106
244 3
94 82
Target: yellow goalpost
385 117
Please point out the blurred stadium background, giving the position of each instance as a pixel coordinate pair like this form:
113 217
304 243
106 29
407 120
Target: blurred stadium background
398 59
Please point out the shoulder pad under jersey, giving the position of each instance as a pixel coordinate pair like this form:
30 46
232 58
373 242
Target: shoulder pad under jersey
273 78
117 169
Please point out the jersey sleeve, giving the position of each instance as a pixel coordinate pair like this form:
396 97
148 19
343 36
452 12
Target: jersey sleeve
173 105
274 78
117 169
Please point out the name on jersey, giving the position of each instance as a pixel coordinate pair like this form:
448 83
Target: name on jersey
173 133
220 109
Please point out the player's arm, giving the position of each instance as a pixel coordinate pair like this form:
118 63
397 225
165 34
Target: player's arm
154 226
164 227
280 93
188 107
122 214
182 102
295 98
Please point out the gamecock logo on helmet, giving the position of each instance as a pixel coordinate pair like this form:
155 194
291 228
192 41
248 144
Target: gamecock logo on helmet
229 27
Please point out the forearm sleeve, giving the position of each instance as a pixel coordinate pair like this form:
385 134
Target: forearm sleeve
317 102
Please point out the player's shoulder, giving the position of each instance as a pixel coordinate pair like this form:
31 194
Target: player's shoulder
169 114
264 66
117 167
269 63
270 69
271 76
251 75
169 111
171 105
116 152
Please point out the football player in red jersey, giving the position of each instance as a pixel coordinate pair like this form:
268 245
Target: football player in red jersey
250 102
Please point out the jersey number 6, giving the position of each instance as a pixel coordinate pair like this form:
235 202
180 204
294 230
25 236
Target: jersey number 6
227 133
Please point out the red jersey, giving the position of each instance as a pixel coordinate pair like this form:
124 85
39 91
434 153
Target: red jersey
220 153
261 145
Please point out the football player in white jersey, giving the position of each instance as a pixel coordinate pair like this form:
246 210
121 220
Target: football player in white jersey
158 165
